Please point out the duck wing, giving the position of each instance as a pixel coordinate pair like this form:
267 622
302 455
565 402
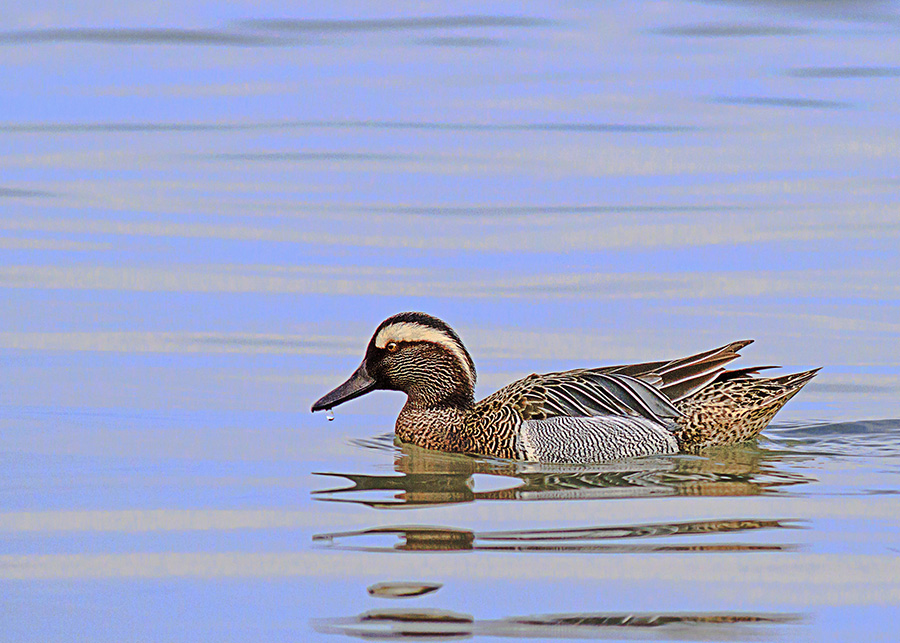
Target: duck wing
680 378
645 390
580 393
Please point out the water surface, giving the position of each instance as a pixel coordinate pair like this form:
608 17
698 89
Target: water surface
205 210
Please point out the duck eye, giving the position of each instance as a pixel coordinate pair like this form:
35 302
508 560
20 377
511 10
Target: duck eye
392 347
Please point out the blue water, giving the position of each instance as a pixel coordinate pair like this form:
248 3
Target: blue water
206 209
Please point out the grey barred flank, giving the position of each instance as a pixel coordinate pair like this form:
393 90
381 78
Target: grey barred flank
589 439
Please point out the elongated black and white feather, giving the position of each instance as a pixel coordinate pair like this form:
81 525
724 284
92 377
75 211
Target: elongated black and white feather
588 393
680 378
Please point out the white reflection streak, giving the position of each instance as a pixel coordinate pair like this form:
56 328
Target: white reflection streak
154 520
797 579
163 342
546 233
392 282
52 244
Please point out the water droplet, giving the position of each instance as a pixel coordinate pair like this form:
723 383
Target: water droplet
329 414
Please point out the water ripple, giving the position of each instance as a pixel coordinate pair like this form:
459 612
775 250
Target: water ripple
460 41
766 101
394 24
719 30
16 193
140 36
612 127
845 72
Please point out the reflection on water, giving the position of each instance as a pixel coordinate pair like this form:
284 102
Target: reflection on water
427 623
430 477
580 540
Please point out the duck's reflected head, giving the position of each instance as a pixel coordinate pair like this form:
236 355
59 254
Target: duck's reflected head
414 353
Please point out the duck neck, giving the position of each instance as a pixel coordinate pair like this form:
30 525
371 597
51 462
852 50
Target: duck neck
435 419
433 427
438 401
460 398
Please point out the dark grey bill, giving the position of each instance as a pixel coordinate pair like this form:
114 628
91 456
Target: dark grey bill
359 383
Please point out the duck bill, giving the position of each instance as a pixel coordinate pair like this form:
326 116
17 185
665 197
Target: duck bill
358 384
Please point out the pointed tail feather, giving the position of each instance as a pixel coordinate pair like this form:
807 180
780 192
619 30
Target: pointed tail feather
793 382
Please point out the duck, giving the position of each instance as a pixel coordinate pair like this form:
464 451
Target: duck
584 415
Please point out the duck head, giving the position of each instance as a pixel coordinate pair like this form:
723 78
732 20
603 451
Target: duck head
417 354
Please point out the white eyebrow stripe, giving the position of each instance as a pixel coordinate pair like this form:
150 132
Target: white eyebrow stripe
413 332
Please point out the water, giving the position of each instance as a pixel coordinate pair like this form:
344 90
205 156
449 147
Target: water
206 209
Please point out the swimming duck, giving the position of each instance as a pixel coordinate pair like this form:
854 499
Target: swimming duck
578 416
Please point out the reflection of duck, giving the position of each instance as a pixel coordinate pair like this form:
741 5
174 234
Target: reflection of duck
691 537
422 623
585 415
430 477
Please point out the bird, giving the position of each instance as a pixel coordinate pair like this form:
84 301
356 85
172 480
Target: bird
578 416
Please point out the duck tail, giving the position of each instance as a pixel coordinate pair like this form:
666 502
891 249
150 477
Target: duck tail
735 407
